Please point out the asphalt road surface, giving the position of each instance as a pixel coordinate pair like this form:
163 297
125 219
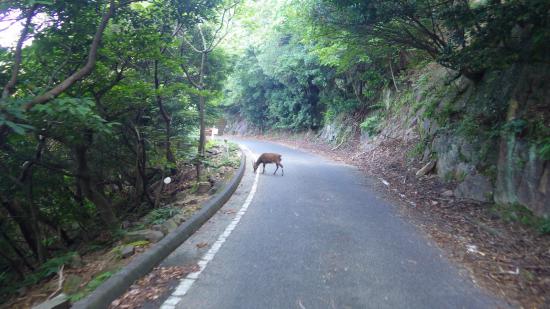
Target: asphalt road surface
320 237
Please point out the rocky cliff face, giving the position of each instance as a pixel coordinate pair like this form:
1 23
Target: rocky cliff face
483 136
523 175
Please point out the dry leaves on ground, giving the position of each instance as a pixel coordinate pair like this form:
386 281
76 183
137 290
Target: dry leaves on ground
202 245
151 287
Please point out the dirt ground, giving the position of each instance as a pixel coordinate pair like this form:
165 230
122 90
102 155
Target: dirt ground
507 258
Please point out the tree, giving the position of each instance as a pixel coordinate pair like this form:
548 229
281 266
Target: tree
204 43
462 35
88 114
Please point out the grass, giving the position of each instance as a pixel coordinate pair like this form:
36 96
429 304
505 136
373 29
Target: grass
46 271
92 285
160 215
417 150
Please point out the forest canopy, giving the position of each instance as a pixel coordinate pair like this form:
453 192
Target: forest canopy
319 58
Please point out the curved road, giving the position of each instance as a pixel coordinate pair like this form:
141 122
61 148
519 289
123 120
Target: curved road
320 238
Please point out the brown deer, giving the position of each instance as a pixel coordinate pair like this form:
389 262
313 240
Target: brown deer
267 158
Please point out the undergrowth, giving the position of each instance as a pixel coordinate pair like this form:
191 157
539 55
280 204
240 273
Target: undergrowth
92 285
45 271
523 215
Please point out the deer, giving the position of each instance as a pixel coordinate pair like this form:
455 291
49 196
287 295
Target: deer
267 158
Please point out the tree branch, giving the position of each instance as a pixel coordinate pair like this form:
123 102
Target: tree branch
10 85
84 71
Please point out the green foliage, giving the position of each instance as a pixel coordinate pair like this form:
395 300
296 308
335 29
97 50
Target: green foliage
417 150
523 215
371 125
459 35
139 243
48 269
515 126
160 215
88 154
544 150
92 285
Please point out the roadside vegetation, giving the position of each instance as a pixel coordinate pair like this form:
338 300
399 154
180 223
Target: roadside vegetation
80 269
101 101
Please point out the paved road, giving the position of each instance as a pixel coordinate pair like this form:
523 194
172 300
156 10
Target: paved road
320 238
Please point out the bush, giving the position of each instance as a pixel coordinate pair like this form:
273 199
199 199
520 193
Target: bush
160 215
371 125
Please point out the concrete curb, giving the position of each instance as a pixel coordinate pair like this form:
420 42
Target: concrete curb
141 265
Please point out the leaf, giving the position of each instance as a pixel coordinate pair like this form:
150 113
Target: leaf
18 128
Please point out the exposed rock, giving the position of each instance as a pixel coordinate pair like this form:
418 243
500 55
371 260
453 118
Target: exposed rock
203 187
180 196
61 301
215 188
426 169
427 154
475 187
463 169
179 218
454 157
429 127
150 235
447 156
447 193
127 251
71 284
190 201
523 177
168 226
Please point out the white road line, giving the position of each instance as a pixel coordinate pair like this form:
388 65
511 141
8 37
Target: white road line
186 283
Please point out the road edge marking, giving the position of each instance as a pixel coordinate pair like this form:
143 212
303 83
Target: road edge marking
186 283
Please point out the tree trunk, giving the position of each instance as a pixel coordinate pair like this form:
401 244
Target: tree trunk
85 70
13 265
201 107
90 190
33 210
166 117
141 164
10 85
21 218
15 249
202 104
67 241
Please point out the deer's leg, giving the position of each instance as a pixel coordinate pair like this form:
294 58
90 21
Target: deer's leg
277 165
263 171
